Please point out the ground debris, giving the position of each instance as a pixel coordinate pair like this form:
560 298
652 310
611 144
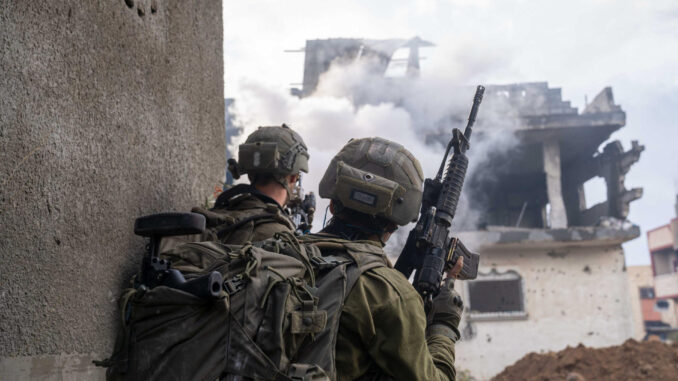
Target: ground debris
633 360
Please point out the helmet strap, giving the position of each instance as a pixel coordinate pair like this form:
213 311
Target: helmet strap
282 180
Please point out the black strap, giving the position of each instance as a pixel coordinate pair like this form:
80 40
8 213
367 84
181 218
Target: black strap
222 201
225 196
328 262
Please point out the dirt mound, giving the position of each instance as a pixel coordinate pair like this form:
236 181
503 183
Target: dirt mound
648 360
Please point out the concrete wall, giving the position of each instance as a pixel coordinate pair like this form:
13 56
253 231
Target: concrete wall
108 110
572 296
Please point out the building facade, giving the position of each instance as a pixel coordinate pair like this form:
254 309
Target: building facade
553 289
663 246
552 269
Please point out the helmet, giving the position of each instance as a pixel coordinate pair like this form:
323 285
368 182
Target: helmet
274 150
377 177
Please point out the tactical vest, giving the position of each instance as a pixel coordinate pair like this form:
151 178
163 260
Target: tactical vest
278 318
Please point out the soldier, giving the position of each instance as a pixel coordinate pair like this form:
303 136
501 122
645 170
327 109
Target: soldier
374 186
272 158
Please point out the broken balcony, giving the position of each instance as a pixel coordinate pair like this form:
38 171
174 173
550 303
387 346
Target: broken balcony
534 193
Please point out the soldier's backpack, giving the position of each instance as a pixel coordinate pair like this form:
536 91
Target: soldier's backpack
238 217
276 317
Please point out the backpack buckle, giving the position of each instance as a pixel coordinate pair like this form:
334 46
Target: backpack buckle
235 284
328 262
322 264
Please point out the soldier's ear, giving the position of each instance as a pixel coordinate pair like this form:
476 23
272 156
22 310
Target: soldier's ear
332 207
391 227
292 179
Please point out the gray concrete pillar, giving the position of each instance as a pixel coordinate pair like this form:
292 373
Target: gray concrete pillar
553 185
109 110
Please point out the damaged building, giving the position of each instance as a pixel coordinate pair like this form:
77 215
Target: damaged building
320 55
552 271
656 286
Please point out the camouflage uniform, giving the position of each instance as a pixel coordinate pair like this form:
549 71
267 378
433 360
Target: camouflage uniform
383 332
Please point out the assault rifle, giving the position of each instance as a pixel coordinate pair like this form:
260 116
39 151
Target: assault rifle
429 249
301 208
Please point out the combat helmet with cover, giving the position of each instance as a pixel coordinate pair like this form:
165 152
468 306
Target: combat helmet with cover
376 177
273 150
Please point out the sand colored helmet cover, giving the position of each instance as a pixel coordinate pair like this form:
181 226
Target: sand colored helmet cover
277 150
377 177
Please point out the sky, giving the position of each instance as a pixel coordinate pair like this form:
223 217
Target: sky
579 46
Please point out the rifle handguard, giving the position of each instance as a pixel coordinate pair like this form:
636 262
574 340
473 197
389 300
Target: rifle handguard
428 250
451 187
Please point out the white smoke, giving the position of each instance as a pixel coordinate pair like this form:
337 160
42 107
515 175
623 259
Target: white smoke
352 101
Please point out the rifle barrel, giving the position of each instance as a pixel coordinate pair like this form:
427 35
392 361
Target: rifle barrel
480 90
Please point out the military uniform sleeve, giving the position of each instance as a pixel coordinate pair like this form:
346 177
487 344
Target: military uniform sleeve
383 323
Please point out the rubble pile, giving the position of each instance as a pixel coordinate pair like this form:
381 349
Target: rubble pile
633 360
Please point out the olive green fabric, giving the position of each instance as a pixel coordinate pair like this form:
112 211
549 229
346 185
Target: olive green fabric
267 219
377 177
276 290
246 218
285 322
383 325
277 150
337 270
252 332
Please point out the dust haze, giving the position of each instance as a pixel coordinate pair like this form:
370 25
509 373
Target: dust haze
351 101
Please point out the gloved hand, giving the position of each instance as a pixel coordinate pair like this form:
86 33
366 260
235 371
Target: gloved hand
445 313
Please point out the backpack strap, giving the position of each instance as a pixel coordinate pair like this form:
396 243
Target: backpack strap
365 254
222 232
337 270
241 222
328 262
225 197
364 261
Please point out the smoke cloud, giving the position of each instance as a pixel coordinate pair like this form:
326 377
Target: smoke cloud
351 101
